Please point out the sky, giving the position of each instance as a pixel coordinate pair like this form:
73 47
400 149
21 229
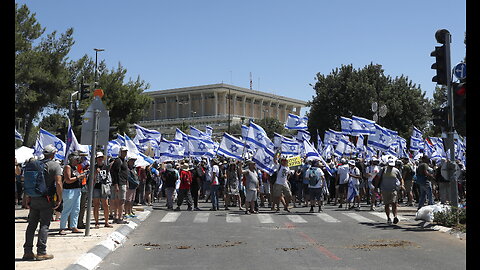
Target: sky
284 44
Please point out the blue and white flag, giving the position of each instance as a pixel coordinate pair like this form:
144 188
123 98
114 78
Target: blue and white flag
45 138
244 132
231 147
303 135
290 148
208 130
438 146
332 137
170 150
346 124
18 136
198 133
381 140
148 133
73 145
417 133
362 126
131 147
360 146
352 191
113 148
296 122
312 154
416 144
344 147
264 160
120 139
319 142
257 138
200 147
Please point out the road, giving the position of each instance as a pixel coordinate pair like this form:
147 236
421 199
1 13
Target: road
334 239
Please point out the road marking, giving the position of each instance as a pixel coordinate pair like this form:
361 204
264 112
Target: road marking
358 218
170 217
201 218
384 216
233 218
296 219
319 247
326 217
265 218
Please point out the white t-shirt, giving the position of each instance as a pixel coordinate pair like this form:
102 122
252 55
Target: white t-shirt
282 174
372 170
343 171
355 171
216 170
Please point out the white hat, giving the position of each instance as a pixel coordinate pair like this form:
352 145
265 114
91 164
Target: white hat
351 162
391 162
99 154
49 149
123 148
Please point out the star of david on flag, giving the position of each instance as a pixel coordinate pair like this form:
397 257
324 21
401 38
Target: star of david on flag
231 147
362 126
296 122
45 138
264 160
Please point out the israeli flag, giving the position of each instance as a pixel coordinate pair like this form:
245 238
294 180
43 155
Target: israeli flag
362 126
257 138
45 138
416 144
342 147
208 131
113 148
18 136
346 124
199 147
327 151
244 131
170 150
264 160
290 148
198 133
73 145
352 192
439 148
332 137
319 141
131 147
296 122
148 133
381 140
312 154
120 139
303 135
231 147
417 133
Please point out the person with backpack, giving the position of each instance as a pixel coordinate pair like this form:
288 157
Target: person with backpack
316 182
48 174
72 185
423 177
407 174
186 179
169 177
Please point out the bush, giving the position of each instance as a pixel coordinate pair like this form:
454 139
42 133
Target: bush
449 217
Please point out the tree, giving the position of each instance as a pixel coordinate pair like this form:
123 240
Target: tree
347 91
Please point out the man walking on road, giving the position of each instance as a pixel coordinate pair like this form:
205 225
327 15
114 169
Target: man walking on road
41 208
391 182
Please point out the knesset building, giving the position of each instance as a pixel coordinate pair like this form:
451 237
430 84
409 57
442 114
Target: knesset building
213 105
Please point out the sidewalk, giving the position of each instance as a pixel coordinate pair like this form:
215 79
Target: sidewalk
69 249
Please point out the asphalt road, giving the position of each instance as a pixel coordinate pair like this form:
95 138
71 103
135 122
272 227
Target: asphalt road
335 239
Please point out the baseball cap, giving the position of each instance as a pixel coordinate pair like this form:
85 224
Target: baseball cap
49 149
123 148
99 154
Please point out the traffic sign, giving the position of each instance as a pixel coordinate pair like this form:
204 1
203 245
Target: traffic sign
460 71
103 123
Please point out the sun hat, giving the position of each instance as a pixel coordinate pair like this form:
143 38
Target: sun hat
49 149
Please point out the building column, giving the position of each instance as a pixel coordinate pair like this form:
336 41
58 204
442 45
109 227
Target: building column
202 102
277 108
165 108
154 115
215 111
225 104
189 105
178 106
284 112
234 99
244 105
252 109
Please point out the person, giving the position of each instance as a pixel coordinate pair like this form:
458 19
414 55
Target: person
442 182
252 186
186 179
81 167
214 172
140 190
195 188
407 175
281 184
101 190
264 190
169 178
119 173
133 183
371 172
41 208
354 184
390 184
305 192
341 180
232 186
149 183
423 181
18 182
72 184
316 184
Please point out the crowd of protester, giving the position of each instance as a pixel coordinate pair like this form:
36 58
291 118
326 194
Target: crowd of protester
119 185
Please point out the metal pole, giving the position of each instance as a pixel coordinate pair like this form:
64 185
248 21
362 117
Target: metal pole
92 170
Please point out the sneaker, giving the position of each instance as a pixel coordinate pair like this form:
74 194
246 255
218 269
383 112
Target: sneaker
395 220
286 209
28 256
311 209
389 221
320 209
42 257
177 209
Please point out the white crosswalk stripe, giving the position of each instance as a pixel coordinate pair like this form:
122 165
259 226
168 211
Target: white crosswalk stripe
384 216
265 218
296 219
358 217
170 217
201 218
326 217
233 218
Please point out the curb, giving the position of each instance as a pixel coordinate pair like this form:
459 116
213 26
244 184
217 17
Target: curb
116 239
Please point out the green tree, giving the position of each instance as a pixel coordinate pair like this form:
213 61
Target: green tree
347 91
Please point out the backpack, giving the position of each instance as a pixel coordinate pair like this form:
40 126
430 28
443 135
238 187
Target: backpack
133 181
312 177
170 178
34 179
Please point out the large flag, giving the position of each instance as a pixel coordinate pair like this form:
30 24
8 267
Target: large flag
312 154
264 160
45 138
257 138
417 133
381 140
296 122
290 147
18 136
303 135
113 148
200 147
346 124
344 147
244 132
416 143
73 145
147 133
198 133
131 147
231 147
362 126
170 150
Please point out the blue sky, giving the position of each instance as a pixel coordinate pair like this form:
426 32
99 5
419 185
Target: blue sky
172 44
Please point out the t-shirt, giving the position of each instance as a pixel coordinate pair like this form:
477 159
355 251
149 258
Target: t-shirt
282 175
53 169
391 179
102 176
421 177
251 179
372 170
318 173
119 172
185 179
343 171
216 170
356 172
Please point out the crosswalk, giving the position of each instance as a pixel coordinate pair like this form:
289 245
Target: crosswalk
266 218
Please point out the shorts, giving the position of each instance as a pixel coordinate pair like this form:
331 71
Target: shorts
102 193
342 188
389 197
121 194
278 189
130 195
408 186
315 193
251 195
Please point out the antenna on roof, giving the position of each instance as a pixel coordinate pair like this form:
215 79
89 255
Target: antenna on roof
250 80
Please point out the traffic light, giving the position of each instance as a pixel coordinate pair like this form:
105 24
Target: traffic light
440 117
459 101
77 117
442 61
84 91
